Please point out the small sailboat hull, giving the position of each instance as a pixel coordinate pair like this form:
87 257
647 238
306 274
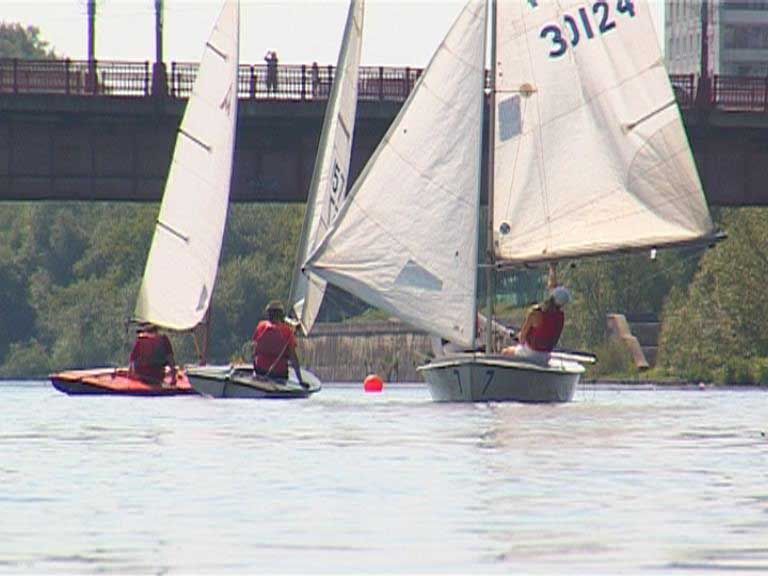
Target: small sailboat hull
240 382
481 378
116 382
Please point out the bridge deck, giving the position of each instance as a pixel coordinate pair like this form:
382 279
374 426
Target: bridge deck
73 130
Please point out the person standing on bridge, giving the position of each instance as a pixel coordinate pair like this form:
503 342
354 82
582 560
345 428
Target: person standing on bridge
274 345
271 59
315 79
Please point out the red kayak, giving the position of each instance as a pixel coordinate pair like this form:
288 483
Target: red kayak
117 381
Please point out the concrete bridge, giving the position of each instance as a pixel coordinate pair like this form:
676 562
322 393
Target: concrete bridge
105 130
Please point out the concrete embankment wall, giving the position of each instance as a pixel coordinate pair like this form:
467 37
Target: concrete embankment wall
349 352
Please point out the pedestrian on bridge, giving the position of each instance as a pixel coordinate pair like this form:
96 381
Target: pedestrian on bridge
271 59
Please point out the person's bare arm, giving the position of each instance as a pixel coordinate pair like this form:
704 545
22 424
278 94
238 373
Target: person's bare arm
552 277
532 320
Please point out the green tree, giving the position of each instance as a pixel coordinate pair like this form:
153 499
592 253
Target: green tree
19 42
630 284
715 329
71 273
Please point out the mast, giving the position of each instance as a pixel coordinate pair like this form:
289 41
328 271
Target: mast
490 258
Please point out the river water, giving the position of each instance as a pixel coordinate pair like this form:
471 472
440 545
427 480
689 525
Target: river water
654 481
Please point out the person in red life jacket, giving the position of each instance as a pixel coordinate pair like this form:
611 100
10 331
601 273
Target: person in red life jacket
274 345
151 353
544 323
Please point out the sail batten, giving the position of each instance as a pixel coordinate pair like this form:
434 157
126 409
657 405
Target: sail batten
328 189
591 154
181 267
405 240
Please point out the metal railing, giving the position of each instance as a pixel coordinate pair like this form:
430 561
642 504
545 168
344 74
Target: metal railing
136 79
304 82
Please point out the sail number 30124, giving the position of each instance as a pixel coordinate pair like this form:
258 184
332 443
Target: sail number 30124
573 28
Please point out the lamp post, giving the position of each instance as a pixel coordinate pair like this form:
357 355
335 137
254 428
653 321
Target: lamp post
159 75
91 84
704 91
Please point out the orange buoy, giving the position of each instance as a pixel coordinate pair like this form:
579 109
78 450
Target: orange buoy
373 383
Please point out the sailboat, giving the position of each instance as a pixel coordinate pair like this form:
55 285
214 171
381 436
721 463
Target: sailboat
181 268
326 196
587 156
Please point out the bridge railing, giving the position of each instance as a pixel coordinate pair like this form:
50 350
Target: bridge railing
303 82
684 87
741 94
291 82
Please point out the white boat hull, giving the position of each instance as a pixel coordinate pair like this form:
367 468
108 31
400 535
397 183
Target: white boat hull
240 382
481 378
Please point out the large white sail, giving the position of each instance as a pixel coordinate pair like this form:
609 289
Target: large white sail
406 239
329 186
183 259
591 153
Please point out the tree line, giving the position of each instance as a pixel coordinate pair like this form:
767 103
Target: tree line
70 272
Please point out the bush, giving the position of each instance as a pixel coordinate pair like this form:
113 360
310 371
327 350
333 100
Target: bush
613 360
760 371
26 360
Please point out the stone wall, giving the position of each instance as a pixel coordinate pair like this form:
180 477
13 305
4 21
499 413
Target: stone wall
349 352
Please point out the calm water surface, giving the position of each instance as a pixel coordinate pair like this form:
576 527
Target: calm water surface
636 481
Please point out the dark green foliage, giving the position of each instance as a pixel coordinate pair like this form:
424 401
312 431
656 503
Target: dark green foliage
16 314
716 328
632 285
70 273
25 43
615 361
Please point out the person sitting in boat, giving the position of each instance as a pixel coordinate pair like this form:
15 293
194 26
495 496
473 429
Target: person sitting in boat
274 345
152 353
544 323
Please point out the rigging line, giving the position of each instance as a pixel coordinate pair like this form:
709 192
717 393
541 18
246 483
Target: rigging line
569 209
450 106
649 279
588 101
173 232
386 142
539 136
405 248
609 218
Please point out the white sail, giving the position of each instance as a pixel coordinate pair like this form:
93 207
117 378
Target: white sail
183 259
591 153
329 186
405 241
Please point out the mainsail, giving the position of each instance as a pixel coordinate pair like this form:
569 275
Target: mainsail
329 186
591 153
405 241
181 268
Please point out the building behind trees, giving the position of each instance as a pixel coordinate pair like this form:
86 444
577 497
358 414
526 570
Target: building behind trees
737 37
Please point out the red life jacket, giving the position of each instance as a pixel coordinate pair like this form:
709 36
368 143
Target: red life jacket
273 343
149 356
544 337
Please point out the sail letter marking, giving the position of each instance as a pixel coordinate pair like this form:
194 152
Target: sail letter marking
226 104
